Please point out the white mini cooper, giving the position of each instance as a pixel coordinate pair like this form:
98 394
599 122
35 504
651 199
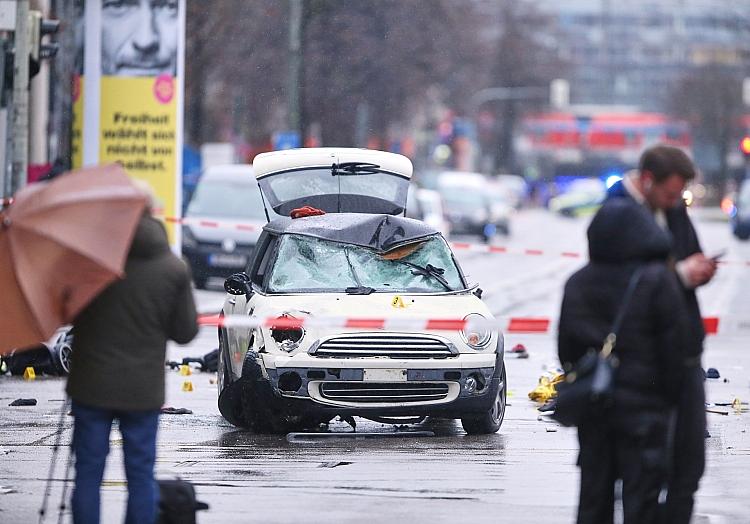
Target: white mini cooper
359 259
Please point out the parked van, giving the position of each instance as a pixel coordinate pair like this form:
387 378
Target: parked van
222 222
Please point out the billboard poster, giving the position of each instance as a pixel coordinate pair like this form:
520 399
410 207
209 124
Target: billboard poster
139 71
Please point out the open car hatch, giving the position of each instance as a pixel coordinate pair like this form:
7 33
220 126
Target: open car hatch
335 180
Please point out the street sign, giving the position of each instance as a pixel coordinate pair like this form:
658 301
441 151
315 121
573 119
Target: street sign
7 15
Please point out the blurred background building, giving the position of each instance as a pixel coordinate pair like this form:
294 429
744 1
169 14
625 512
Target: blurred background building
634 52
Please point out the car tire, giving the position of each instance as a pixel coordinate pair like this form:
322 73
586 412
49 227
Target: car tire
490 421
262 420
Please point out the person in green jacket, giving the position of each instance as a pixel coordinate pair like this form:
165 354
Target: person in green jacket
117 373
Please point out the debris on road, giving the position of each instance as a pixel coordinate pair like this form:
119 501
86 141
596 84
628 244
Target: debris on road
712 373
545 390
23 402
208 362
519 350
302 437
737 406
548 406
335 464
168 410
5 490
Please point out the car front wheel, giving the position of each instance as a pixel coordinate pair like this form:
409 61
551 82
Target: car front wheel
491 420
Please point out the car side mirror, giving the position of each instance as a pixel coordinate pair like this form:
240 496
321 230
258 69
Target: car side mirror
239 284
478 292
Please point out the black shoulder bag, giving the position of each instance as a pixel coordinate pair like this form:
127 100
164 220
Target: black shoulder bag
588 388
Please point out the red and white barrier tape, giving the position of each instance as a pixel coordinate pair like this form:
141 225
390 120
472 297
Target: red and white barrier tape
456 246
483 248
518 325
212 223
509 325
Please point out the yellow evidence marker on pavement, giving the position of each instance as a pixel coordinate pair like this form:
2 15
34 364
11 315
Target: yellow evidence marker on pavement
29 373
187 386
185 370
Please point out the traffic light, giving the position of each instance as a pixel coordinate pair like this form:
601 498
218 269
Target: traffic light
745 146
39 27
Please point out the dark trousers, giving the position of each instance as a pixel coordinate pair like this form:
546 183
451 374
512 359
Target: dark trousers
629 447
689 458
91 447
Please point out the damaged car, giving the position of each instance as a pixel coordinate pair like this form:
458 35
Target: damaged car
350 254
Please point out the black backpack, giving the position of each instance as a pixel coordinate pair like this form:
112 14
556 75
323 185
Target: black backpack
177 502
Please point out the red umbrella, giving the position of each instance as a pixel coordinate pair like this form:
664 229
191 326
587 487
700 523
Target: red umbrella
61 243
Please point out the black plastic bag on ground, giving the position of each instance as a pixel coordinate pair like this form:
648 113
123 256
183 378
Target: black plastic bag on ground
177 502
211 361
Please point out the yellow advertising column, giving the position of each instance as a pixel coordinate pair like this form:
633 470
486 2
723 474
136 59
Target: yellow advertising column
137 128
131 114
76 138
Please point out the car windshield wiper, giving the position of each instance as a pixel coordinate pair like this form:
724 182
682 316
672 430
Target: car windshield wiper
428 271
354 168
359 289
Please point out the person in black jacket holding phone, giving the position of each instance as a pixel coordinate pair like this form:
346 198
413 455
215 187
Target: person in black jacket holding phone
657 187
629 441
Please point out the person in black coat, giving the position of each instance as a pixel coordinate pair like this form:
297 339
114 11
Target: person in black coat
629 441
657 186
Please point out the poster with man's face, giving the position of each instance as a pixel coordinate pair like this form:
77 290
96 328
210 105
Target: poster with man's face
139 37
128 107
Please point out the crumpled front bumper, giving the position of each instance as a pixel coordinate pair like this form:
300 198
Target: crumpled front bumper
298 390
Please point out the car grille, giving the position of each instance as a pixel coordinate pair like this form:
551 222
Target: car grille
390 346
383 392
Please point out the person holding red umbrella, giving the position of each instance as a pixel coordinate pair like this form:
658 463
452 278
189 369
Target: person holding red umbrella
119 343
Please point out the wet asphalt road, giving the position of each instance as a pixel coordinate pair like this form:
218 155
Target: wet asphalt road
524 473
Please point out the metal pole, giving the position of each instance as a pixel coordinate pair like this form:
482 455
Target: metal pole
63 68
21 98
295 63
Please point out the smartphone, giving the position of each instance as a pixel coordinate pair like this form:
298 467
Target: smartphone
718 255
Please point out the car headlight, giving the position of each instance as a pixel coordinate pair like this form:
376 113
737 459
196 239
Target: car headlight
188 239
287 336
476 333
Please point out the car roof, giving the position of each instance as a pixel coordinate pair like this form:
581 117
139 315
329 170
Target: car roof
291 159
379 232
233 172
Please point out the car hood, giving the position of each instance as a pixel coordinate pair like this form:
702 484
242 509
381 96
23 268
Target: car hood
374 306
390 306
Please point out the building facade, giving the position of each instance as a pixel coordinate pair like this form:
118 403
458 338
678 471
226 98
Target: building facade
633 53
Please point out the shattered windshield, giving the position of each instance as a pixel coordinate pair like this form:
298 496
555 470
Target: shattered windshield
314 265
